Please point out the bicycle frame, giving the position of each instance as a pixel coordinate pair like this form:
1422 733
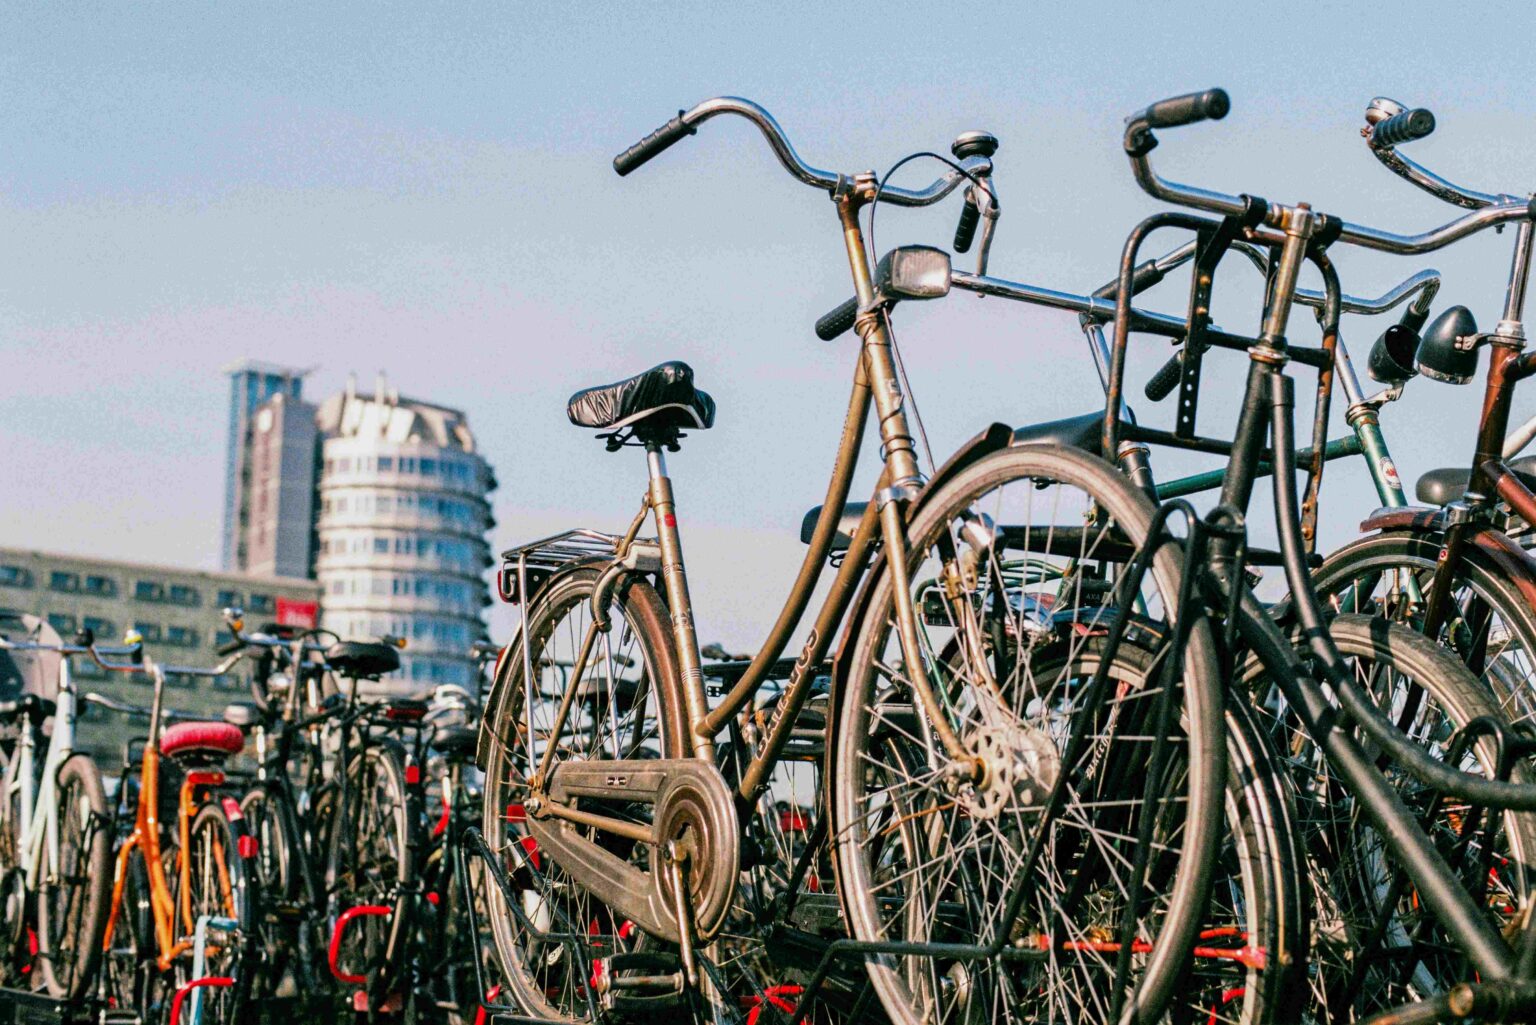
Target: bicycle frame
900 489
1267 406
165 908
38 796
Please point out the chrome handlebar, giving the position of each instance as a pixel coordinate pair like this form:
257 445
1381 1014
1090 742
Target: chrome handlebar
1498 210
97 653
1425 284
1382 109
816 177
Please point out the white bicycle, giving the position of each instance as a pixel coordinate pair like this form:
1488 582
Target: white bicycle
55 825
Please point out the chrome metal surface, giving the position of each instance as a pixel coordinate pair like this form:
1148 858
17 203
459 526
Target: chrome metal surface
817 177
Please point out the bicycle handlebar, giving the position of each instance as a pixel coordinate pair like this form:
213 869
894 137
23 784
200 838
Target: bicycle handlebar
1139 142
1384 134
687 122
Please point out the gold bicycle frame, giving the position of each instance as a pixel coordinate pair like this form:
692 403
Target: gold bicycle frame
875 378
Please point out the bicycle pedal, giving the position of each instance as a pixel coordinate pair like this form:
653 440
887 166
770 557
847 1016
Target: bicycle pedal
634 987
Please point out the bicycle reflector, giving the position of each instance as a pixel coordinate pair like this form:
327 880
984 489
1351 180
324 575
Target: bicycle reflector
1449 350
405 711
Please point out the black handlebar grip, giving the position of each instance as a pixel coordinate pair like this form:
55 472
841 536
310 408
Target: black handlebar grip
229 648
1402 127
652 144
1144 276
839 320
965 231
1211 105
1167 379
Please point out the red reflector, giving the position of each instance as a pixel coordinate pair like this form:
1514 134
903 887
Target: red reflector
433 899
792 822
405 713
412 774
248 846
232 809
517 813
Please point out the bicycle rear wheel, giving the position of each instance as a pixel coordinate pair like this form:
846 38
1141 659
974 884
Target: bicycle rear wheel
1018 562
551 944
374 855
219 897
1492 625
72 907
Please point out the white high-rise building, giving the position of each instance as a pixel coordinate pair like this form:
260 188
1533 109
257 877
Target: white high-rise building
403 517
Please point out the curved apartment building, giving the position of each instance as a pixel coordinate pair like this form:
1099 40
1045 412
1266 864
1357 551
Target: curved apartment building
400 533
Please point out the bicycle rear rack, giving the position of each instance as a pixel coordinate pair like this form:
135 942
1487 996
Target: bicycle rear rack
527 567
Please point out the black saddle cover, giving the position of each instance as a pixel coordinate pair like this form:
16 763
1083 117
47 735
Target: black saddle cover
663 396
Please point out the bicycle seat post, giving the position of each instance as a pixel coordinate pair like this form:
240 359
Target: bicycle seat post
663 508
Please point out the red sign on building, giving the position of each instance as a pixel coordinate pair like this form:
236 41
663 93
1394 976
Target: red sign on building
304 614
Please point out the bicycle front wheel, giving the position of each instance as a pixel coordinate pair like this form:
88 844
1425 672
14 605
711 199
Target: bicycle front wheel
1080 859
72 903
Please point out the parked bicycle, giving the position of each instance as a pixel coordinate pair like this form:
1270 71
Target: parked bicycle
55 835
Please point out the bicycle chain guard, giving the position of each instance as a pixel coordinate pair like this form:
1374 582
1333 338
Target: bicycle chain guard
691 805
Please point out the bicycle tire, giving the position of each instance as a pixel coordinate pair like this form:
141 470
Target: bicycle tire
638 609
1345 871
1480 586
219 885
69 931
377 863
133 981
1103 491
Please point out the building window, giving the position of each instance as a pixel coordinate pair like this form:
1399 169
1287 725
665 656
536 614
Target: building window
180 681
149 590
15 576
229 599
182 636
66 582
428 467
149 631
386 462
262 603
105 587
63 622
181 594
102 628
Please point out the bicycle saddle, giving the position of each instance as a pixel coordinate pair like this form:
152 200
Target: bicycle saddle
362 659
455 741
1437 487
215 739
847 523
663 396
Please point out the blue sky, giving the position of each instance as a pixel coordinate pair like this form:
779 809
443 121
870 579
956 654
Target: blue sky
426 190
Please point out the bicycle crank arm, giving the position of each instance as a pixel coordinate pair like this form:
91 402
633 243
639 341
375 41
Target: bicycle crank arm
689 804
